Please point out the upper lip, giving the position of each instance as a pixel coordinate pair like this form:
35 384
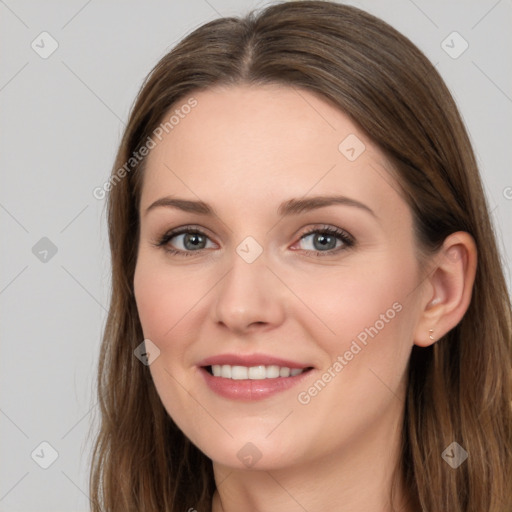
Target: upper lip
251 360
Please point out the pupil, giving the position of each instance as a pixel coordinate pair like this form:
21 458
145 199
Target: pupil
194 238
324 238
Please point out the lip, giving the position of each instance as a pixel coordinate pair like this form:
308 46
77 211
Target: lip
251 360
250 389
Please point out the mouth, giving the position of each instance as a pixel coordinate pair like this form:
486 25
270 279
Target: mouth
251 377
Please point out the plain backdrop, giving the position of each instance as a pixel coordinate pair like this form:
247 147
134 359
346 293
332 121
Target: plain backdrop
62 117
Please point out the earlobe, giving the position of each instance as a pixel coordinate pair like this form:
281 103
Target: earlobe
450 285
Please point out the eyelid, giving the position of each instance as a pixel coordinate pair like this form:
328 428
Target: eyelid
326 228
162 240
348 240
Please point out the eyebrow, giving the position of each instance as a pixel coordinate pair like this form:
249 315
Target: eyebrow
287 208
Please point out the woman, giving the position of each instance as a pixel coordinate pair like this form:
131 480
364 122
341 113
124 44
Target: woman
308 309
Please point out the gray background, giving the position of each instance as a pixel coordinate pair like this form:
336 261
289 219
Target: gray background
62 118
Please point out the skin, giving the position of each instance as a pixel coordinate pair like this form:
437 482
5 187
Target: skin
244 150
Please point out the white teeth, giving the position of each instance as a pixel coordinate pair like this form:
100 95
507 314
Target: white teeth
257 372
253 372
284 372
239 372
272 372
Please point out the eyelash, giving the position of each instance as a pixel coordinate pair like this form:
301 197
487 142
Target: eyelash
342 235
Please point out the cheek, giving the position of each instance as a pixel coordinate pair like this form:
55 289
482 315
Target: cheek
165 303
366 359
366 329
164 299
348 302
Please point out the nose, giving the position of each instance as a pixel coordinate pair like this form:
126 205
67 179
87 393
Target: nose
250 297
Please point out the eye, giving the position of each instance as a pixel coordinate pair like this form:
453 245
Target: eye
326 240
192 240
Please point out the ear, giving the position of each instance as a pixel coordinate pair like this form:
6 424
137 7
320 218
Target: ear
449 287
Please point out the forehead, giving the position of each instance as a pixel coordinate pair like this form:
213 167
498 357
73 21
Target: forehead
263 122
270 141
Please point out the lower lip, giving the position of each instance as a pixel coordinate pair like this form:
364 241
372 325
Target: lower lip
249 389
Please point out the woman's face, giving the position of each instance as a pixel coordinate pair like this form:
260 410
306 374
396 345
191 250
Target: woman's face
259 288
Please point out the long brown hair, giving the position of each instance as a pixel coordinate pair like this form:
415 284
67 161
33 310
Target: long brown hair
459 389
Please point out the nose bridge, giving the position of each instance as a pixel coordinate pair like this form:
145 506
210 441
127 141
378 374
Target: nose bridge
249 292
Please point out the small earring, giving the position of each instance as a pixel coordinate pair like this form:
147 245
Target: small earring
431 331
435 301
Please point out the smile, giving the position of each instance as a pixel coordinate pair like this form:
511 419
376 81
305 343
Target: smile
260 372
249 378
